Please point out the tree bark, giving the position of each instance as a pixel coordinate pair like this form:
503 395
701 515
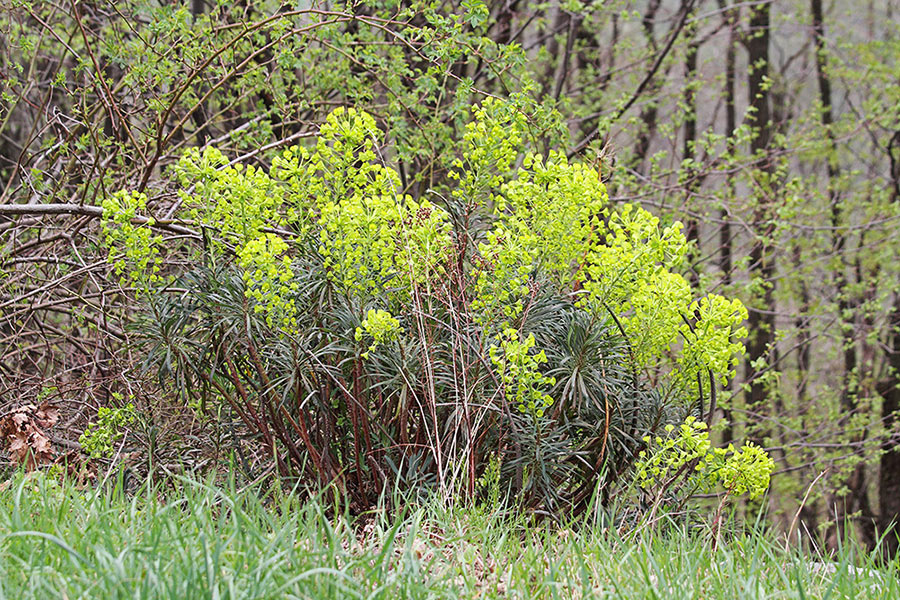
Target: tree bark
857 500
889 389
889 474
761 321
725 235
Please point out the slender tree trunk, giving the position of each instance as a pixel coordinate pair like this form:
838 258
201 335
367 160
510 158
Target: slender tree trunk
809 512
889 389
688 152
725 241
556 23
889 474
650 112
857 499
199 117
761 322
505 17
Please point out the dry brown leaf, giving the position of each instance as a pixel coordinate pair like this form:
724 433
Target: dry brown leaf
17 444
21 431
46 415
40 443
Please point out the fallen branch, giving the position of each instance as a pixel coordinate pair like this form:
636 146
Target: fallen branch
83 210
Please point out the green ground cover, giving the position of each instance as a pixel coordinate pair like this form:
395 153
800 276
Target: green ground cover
194 540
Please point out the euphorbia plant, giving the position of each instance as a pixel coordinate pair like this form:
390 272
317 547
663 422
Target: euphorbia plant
682 459
684 453
370 337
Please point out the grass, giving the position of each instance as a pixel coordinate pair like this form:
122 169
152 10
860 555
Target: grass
198 541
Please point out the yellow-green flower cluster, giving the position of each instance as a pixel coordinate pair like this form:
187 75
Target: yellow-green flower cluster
634 273
548 218
372 238
560 207
518 367
670 453
652 315
501 282
747 470
342 164
270 279
133 249
98 438
237 201
381 326
491 145
376 243
711 342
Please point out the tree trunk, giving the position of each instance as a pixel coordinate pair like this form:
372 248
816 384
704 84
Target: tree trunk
761 321
725 235
688 152
889 475
649 112
857 499
889 389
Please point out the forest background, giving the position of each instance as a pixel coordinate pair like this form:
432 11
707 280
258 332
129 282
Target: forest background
771 129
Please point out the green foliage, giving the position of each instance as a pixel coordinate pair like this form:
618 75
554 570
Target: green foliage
488 484
505 285
380 326
519 370
746 470
193 538
269 278
133 248
99 438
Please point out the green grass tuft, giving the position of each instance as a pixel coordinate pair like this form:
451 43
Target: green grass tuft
200 541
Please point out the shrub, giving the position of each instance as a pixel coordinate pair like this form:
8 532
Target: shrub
743 471
100 436
369 338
